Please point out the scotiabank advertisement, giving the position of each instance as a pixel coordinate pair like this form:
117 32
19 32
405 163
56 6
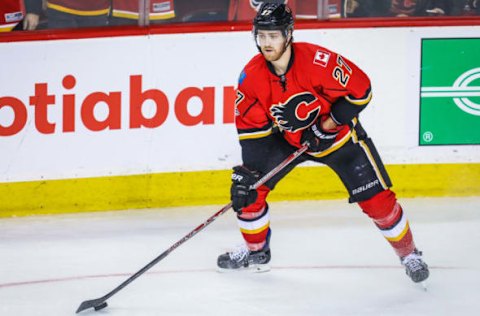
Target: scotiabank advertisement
96 117
118 106
164 103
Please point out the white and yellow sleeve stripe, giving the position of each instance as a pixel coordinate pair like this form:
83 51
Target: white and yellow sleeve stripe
255 133
362 101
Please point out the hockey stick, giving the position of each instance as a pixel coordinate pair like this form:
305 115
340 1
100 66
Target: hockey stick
100 303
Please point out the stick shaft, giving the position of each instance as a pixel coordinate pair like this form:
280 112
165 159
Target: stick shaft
280 167
199 228
169 250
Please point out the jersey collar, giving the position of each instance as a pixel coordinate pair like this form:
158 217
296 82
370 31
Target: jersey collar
290 64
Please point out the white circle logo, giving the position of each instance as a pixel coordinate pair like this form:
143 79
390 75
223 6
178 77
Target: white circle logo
460 92
462 83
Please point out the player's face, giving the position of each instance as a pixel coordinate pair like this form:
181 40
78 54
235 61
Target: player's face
271 43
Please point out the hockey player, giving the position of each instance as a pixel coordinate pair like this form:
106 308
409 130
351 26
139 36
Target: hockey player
127 11
294 93
11 13
74 13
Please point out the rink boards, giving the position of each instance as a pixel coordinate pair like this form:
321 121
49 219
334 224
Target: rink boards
212 187
92 129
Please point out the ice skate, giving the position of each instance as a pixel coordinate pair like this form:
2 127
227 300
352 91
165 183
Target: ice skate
244 259
415 267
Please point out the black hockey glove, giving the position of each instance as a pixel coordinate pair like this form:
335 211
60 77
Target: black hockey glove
319 139
241 195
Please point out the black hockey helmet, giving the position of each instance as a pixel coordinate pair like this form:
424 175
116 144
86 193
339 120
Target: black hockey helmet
273 16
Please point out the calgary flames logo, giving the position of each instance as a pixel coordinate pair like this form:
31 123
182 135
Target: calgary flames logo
299 112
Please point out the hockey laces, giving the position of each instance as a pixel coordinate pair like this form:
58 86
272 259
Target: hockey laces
239 253
413 262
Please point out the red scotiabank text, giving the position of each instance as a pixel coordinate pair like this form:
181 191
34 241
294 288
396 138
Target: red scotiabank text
42 101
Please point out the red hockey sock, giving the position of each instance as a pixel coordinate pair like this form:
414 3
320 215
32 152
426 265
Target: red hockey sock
254 222
389 217
255 230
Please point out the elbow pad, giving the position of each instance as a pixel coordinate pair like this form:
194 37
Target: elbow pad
345 109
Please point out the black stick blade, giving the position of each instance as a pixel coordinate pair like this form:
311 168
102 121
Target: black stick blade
97 304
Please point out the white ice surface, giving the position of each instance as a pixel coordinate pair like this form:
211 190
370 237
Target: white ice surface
328 259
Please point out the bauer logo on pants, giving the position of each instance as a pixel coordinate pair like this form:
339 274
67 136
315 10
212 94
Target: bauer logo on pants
450 92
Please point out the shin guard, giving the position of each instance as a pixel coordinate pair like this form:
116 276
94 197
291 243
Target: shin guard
254 222
389 217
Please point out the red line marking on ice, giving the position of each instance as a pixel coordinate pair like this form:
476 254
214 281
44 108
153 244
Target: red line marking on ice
112 275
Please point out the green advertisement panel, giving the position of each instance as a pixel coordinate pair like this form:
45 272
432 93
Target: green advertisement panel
450 92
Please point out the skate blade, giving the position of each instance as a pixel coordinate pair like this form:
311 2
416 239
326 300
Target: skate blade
260 268
423 284
255 268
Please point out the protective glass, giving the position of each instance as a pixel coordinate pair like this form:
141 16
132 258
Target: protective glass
269 38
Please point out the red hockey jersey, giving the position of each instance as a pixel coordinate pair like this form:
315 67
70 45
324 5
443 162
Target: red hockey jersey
128 9
84 7
315 79
11 13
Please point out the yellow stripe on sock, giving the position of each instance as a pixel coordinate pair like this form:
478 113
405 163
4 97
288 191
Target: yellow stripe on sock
402 234
255 231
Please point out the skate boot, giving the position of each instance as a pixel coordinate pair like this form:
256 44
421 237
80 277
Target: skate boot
244 259
415 268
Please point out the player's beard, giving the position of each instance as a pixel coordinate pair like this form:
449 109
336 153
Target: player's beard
272 54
